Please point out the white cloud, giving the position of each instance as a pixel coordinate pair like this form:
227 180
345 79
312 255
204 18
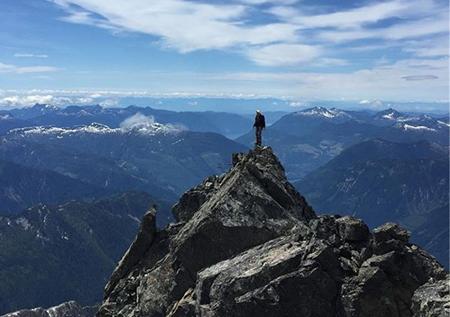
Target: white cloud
406 30
20 101
9 68
385 81
148 125
183 25
30 99
188 26
433 47
374 104
357 17
283 54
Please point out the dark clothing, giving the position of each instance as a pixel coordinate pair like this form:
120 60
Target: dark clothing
260 124
258 136
260 121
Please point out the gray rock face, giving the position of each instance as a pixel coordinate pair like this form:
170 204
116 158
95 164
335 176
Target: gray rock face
68 309
248 244
137 249
191 201
432 299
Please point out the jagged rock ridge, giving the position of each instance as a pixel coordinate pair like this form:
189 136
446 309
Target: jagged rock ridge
67 309
246 243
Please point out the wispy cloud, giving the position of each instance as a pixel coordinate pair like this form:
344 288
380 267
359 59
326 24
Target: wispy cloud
420 77
406 30
9 68
182 25
283 54
357 17
189 26
429 47
296 36
30 55
417 79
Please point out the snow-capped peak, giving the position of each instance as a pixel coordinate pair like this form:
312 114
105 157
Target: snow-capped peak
135 124
323 112
91 128
389 114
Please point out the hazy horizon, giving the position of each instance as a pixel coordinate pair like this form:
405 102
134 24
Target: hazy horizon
232 104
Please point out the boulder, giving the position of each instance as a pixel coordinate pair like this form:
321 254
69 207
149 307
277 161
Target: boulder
432 299
390 231
352 229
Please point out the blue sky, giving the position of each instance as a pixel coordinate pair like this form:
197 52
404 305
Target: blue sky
303 50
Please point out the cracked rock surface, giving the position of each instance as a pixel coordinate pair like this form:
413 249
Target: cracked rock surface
248 244
67 309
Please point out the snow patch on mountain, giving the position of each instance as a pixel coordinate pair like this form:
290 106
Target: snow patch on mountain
137 123
92 128
24 223
417 128
390 116
323 112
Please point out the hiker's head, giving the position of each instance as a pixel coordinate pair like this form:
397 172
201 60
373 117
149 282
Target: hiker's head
258 112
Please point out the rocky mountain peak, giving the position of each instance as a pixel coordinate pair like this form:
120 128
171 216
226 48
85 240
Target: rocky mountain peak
255 185
388 114
246 243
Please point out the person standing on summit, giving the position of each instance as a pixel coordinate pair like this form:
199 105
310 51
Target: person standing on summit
260 124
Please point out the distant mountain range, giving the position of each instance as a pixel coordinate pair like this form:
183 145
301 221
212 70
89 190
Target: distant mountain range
66 162
51 254
152 157
8 122
309 138
152 154
228 124
22 187
381 181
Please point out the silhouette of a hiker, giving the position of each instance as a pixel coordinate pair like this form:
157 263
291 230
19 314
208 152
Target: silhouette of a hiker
260 124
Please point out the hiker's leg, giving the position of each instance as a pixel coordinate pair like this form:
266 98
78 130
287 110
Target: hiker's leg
258 136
